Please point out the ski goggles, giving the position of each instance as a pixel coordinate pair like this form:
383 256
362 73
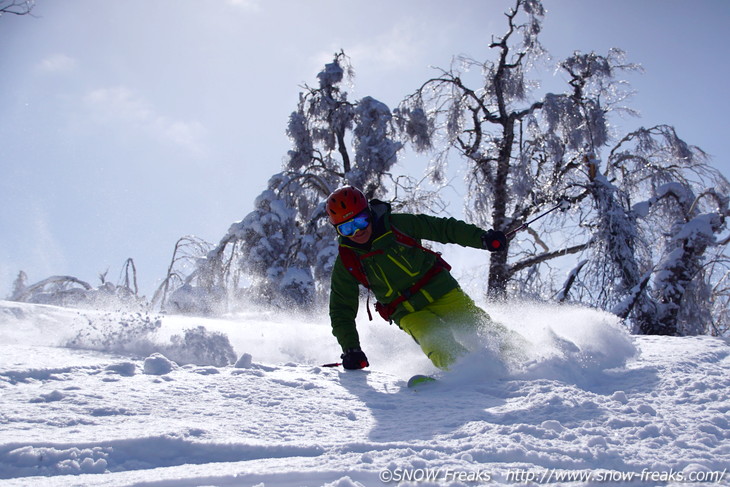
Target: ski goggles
354 225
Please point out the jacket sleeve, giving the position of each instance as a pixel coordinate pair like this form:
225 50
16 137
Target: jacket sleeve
344 302
443 230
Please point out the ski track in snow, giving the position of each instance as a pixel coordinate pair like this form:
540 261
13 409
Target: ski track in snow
586 399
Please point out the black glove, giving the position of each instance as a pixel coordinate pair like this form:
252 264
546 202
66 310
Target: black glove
354 359
494 240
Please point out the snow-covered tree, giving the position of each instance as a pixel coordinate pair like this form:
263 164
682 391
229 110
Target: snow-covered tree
627 243
325 129
73 292
271 247
525 150
681 288
284 249
20 283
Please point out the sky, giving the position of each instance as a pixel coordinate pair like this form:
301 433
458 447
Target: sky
127 125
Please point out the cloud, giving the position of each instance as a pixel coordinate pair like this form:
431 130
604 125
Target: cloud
57 63
402 49
120 105
251 5
391 49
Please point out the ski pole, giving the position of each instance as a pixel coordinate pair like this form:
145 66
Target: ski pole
564 205
334 364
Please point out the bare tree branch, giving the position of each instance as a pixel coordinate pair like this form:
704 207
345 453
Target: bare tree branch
538 259
16 7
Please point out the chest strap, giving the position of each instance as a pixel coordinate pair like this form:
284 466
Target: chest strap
386 310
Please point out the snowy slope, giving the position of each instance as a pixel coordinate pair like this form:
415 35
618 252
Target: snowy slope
84 401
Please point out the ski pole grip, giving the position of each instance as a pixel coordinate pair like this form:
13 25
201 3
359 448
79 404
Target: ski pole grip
494 240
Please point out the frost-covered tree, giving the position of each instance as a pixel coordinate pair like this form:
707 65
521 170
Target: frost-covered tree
486 119
327 128
525 150
614 240
187 286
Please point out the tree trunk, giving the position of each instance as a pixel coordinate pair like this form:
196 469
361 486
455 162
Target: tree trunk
498 267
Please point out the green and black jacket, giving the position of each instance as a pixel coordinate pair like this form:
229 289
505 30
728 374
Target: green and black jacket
396 269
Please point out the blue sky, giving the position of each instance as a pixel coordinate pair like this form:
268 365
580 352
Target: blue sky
126 125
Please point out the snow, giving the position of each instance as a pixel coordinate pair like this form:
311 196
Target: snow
83 404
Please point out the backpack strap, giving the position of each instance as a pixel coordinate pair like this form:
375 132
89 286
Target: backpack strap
353 264
409 241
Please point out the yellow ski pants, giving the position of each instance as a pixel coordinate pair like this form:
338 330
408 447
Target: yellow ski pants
444 326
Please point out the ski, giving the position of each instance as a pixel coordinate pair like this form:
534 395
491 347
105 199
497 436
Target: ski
419 380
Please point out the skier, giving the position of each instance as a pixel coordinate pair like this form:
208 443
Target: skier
413 286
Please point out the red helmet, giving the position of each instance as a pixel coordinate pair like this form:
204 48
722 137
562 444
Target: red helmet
344 204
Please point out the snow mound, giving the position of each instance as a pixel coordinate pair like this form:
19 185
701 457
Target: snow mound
158 364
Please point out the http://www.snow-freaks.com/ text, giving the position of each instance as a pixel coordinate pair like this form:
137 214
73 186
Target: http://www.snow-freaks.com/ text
546 476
